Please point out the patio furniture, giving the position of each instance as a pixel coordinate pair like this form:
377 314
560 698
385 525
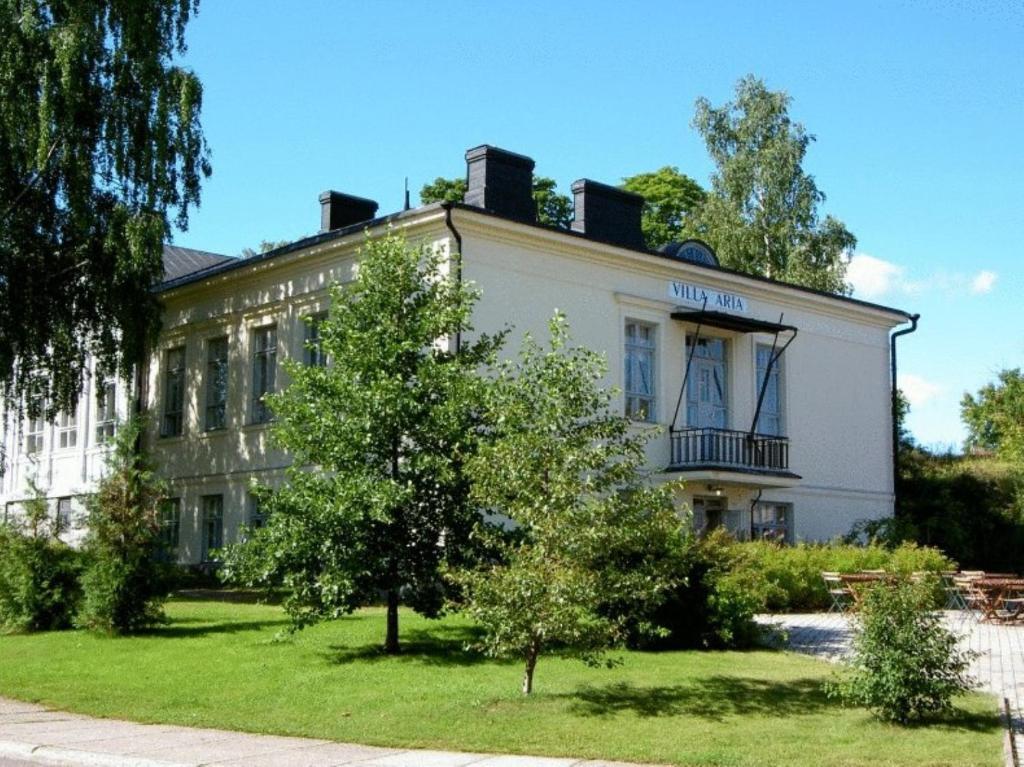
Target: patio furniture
1002 599
842 597
856 582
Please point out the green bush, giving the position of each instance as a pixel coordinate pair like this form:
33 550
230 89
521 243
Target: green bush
790 576
124 581
905 663
38 574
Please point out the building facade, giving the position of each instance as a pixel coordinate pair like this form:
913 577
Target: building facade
771 402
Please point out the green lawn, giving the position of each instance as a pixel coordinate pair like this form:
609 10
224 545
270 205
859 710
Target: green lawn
217 665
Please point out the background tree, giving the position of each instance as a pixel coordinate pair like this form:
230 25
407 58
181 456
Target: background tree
265 246
995 417
671 198
761 215
376 498
594 548
553 208
124 583
100 143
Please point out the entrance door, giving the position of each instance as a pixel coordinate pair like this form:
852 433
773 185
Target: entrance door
706 400
708 513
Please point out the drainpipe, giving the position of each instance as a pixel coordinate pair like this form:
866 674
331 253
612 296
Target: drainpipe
895 407
458 257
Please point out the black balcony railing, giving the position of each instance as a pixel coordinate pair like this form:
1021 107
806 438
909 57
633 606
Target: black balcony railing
728 449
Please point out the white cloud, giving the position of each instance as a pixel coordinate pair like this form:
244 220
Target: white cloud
872 277
916 389
983 282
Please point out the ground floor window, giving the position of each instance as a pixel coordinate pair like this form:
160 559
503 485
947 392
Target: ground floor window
170 523
257 512
63 515
212 508
772 521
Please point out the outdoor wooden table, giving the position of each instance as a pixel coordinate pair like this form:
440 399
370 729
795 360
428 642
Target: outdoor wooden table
997 592
853 580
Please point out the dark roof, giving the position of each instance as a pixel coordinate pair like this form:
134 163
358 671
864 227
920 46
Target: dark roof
179 261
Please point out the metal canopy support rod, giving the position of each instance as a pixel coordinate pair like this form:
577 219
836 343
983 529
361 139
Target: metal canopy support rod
686 373
772 359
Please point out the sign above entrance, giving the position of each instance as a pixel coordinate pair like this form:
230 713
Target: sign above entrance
717 301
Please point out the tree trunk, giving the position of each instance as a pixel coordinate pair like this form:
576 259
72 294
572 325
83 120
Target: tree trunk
391 646
531 664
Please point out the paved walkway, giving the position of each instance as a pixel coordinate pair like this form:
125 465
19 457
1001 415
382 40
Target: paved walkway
33 734
999 667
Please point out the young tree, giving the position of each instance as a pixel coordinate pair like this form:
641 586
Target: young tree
124 584
376 498
553 208
594 548
995 417
100 143
761 215
670 201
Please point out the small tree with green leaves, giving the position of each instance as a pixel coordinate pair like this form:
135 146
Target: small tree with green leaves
38 572
671 199
553 208
124 583
594 548
995 416
376 498
906 663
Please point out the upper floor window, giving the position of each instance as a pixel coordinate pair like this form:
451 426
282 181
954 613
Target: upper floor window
216 383
264 371
640 370
106 411
34 433
173 422
67 430
769 420
707 402
315 356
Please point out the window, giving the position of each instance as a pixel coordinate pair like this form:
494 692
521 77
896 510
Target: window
640 371
34 433
257 513
769 420
213 525
63 515
216 383
771 521
67 430
706 384
170 523
315 356
173 421
106 412
264 368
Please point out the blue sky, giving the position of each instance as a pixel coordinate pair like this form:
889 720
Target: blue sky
918 110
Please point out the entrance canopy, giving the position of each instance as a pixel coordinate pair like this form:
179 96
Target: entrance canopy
729 321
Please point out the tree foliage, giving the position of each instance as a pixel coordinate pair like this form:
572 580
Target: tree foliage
761 215
376 498
100 143
995 416
124 584
671 199
553 209
594 547
265 246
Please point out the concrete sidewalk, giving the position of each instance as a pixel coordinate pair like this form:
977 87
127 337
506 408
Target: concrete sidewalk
36 735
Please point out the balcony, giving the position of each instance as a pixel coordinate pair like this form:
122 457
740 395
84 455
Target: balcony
730 451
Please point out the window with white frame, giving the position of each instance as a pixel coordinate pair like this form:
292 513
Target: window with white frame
34 432
173 422
264 371
106 412
212 508
769 419
707 393
170 523
63 515
771 521
67 430
640 371
257 512
216 383
314 356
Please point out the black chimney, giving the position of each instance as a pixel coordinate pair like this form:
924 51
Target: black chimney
338 210
501 182
608 213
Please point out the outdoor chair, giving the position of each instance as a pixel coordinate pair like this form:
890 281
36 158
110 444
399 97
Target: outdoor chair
954 596
842 597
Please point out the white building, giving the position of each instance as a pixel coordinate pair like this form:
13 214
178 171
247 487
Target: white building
782 426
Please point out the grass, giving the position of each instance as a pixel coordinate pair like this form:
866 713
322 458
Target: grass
216 665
